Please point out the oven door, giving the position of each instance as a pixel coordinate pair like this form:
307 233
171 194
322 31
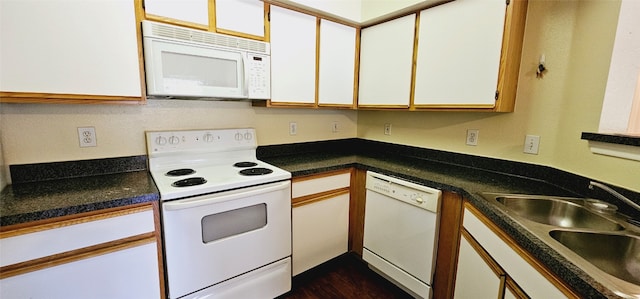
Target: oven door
212 238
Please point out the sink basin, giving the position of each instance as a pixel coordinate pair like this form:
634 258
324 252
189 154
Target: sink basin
617 255
556 212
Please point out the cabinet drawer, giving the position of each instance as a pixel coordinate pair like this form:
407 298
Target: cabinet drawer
313 185
59 237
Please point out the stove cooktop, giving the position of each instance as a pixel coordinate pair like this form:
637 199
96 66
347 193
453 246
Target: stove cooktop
197 162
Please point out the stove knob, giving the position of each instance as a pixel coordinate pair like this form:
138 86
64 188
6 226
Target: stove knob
238 136
208 137
248 136
161 140
174 140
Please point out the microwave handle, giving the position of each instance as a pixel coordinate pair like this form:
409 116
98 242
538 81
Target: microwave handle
245 68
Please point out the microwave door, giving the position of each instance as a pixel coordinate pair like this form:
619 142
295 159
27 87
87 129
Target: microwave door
192 71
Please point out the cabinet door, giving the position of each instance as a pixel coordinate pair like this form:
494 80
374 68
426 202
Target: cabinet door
336 77
128 273
386 55
69 47
189 11
240 16
475 278
320 231
293 56
458 61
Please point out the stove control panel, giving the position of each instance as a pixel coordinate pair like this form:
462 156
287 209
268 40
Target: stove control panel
201 140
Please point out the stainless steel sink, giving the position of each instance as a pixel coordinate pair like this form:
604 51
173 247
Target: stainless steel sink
556 212
618 255
588 233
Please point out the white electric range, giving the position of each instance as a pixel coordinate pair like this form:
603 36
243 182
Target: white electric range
219 205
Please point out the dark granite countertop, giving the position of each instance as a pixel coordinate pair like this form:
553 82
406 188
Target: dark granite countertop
632 140
32 200
468 177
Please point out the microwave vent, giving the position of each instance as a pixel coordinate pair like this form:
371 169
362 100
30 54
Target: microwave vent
203 37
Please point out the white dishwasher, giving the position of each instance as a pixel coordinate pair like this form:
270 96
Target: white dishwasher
401 231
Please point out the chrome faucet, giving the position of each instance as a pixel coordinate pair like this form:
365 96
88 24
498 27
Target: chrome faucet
614 193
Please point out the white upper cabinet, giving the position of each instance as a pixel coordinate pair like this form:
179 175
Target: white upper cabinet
336 64
386 54
191 11
458 59
293 56
70 48
242 16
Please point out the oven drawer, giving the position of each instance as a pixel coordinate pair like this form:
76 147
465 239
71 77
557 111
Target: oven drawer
269 281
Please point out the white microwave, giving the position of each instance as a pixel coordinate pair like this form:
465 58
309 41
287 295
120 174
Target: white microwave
187 63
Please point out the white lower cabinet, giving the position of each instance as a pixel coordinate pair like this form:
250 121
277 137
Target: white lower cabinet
475 277
516 276
110 255
320 219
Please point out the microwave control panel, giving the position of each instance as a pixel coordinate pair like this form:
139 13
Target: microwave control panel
259 76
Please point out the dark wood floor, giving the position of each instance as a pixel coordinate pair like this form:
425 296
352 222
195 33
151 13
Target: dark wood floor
346 276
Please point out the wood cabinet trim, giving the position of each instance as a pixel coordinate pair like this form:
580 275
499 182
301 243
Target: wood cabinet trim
414 60
356 210
515 289
57 222
544 271
308 199
511 54
76 255
48 98
139 16
448 244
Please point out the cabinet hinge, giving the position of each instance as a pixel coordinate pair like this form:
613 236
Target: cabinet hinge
269 16
497 95
508 2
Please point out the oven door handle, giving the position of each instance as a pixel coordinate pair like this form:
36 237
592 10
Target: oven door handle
225 196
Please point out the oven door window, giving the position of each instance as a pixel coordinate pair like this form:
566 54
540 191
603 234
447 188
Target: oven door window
230 223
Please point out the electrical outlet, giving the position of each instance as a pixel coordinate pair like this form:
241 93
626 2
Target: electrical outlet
531 144
334 127
472 137
87 136
387 129
293 128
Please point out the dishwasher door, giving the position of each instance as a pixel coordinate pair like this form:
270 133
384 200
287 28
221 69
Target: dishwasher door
401 230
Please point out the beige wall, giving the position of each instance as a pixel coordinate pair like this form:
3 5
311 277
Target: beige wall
35 133
577 39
